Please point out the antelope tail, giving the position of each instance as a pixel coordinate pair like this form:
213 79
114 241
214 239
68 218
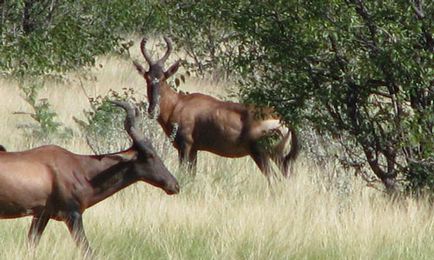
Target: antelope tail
295 148
287 160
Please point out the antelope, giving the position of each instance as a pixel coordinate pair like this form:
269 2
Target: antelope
50 182
204 123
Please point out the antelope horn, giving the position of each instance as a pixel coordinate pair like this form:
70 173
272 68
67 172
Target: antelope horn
144 51
169 50
130 120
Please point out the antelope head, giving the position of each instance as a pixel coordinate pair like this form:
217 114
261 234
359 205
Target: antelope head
156 76
147 166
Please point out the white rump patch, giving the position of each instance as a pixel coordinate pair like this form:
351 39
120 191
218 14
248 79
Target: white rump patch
275 126
270 125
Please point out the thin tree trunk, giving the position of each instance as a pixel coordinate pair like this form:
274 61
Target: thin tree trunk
26 23
2 21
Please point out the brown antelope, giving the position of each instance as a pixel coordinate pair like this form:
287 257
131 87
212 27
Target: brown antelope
202 122
50 182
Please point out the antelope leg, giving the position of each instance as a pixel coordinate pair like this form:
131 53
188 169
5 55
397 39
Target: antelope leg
75 226
36 229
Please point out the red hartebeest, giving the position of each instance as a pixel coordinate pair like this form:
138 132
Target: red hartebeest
202 122
50 182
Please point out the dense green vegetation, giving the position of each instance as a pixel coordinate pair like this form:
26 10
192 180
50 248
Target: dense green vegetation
55 36
358 72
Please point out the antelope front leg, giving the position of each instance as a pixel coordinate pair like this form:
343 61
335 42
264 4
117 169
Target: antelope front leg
262 160
36 228
188 159
192 161
75 226
187 156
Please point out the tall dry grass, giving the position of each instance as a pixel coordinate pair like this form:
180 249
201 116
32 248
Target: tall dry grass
227 211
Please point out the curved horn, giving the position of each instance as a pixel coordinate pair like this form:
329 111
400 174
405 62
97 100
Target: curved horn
169 50
130 120
144 51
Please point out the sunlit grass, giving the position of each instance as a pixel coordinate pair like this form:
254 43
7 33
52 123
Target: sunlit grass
213 220
225 212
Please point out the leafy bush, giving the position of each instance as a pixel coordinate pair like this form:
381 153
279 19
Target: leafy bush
105 121
103 128
45 125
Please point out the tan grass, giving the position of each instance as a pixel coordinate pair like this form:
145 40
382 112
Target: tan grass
227 211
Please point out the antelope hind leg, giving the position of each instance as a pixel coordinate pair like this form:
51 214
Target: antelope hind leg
36 229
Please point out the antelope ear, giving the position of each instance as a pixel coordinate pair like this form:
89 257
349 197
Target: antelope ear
172 69
139 68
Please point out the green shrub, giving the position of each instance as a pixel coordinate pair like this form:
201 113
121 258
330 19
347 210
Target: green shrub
45 125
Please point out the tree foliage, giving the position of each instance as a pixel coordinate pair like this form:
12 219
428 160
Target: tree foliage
46 36
354 69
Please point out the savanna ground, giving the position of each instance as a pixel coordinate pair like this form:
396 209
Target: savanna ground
226 212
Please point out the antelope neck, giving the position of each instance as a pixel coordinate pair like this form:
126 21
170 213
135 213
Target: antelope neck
168 100
109 174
